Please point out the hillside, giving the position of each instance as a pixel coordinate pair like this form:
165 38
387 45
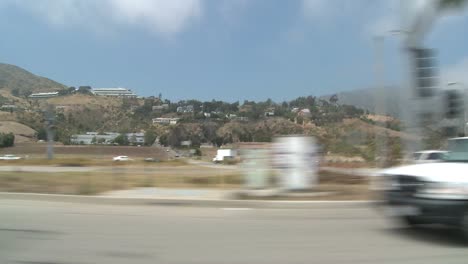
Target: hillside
22 82
368 99
22 132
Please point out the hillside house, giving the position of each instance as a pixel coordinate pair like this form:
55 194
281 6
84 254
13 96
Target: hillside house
8 107
114 92
43 95
165 120
159 108
185 109
304 113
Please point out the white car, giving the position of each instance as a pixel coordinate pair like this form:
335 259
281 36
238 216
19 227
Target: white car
9 157
121 158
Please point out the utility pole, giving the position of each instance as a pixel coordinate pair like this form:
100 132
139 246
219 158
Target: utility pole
50 118
379 97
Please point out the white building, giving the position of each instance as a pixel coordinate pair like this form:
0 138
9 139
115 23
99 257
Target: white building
43 95
185 109
160 107
165 120
119 92
105 138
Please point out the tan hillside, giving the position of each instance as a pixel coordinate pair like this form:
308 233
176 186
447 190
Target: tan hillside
88 100
371 129
22 133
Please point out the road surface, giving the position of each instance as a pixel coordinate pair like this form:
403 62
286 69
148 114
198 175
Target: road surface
33 232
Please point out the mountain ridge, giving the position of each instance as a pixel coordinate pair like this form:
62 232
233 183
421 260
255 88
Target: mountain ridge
22 82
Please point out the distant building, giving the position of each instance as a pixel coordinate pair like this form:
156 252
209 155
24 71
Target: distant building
8 107
186 143
93 137
206 145
136 138
185 109
165 120
160 107
105 138
43 95
304 112
117 92
270 112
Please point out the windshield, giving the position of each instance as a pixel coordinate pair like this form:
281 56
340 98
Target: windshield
458 150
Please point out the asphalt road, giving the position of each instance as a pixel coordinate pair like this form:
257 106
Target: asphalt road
33 232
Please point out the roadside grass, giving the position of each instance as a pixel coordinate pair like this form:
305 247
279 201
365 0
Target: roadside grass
91 183
339 186
86 161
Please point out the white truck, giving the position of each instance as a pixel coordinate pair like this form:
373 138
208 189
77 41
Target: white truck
224 154
430 193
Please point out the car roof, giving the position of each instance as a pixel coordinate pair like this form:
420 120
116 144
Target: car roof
430 151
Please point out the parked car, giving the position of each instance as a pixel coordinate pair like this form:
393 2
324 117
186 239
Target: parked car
429 156
9 157
121 158
151 160
430 193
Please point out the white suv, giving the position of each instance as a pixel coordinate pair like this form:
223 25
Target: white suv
429 193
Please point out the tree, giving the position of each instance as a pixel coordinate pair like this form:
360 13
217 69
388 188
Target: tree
150 137
133 139
15 92
7 140
121 140
163 140
94 140
198 152
42 134
84 90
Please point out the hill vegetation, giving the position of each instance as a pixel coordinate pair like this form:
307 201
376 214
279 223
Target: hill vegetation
340 128
22 83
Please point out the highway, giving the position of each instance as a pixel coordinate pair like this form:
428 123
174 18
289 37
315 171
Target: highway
34 232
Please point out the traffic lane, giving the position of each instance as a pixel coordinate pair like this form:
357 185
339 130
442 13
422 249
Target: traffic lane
47 232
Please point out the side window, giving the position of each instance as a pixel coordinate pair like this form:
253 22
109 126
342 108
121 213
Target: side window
434 156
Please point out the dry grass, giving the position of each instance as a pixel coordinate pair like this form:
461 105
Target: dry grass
86 162
340 187
88 100
370 129
94 183
38 150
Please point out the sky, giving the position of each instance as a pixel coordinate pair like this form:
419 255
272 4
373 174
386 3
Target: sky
222 49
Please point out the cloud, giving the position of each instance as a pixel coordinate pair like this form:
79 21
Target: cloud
317 8
371 16
232 10
166 17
